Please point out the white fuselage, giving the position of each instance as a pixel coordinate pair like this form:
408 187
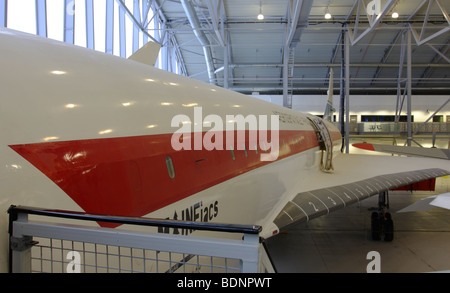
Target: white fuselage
86 131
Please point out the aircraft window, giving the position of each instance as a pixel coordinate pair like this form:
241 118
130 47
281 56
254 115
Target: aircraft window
170 167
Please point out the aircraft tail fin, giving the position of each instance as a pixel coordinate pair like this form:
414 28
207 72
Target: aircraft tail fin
329 110
148 54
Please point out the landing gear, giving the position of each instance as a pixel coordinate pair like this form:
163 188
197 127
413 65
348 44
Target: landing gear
381 221
388 228
376 226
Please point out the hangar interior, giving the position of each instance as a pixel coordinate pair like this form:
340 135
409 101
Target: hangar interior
385 56
386 61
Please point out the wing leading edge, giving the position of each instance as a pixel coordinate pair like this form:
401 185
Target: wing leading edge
356 185
312 204
408 151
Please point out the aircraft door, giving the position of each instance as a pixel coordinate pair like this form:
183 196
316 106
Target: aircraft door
325 144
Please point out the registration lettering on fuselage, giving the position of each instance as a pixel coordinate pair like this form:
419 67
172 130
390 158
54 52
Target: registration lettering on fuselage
195 213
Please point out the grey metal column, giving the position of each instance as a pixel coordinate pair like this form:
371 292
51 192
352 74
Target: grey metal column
347 92
400 99
137 16
41 18
226 62
286 78
145 10
3 10
69 21
409 82
109 33
342 100
201 37
122 33
90 43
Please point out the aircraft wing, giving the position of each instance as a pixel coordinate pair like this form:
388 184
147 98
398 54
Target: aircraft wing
408 151
356 177
425 204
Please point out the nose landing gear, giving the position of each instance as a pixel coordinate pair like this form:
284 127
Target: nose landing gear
381 220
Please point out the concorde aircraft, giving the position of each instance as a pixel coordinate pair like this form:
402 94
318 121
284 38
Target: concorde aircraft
90 132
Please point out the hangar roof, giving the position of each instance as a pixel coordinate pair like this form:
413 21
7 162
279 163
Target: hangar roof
215 35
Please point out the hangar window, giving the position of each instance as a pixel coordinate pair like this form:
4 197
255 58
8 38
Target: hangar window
384 118
438 118
170 168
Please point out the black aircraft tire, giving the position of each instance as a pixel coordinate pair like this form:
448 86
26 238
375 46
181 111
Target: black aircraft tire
375 227
388 228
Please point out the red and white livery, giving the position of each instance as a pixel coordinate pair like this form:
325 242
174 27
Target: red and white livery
85 131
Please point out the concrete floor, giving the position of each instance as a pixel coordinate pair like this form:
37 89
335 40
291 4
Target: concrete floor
340 241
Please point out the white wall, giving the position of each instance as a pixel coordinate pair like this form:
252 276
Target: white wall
422 106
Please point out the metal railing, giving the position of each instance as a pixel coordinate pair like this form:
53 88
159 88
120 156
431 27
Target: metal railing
401 127
58 247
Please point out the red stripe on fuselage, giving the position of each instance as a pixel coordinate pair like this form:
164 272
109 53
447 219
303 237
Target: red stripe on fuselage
128 176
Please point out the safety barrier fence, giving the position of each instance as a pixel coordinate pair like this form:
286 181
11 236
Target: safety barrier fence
401 127
61 246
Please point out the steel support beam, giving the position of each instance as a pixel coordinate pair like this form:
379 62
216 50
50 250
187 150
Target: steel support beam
136 28
3 12
164 48
122 34
312 65
90 41
409 87
420 37
334 54
287 101
218 17
439 53
319 80
342 90
400 79
298 14
374 19
195 24
41 18
145 10
386 55
135 21
226 65
294 9
347 93
435 60
216 13
109 33
69 21
320 89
